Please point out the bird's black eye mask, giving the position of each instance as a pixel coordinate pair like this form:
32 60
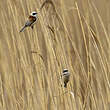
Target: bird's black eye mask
34 13
65 71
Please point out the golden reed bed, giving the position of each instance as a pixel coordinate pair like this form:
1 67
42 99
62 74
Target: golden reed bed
72 34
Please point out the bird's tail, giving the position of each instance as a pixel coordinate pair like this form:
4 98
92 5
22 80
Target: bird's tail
22 29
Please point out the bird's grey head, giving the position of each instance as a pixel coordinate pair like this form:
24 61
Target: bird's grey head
34 14
65 70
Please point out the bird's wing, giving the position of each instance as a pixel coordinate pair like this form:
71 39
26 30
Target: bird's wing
28 23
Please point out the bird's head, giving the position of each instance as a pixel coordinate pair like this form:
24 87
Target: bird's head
65 70
34 14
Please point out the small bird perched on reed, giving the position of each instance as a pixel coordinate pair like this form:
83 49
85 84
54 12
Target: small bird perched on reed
65 77
31 20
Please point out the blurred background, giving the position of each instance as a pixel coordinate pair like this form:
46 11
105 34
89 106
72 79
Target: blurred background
72 34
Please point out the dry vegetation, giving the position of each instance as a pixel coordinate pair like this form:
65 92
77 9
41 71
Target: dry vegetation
73 34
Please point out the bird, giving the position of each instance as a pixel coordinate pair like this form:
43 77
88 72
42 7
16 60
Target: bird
65 77
31 20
